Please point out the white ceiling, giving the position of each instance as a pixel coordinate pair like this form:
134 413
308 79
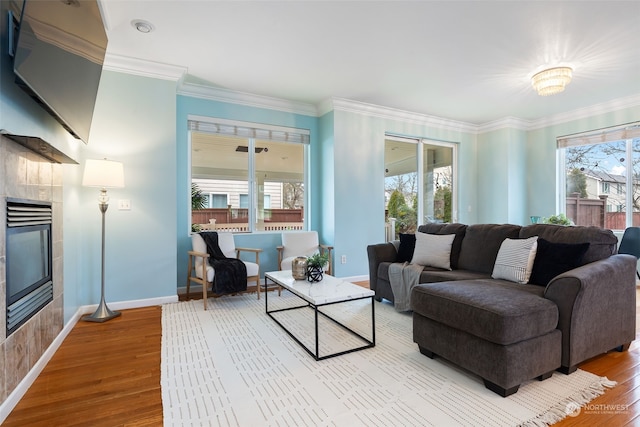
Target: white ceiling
466 61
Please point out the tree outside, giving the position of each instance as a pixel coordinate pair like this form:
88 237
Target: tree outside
405 215
293 195
442 204
577 182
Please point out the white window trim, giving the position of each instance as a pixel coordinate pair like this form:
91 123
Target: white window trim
420 142
251 181
627 133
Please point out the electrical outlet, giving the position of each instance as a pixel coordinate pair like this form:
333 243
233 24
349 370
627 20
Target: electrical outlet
124 205
343 259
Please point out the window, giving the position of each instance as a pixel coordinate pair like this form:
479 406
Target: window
217 200
244 201
599 174
258 169
419 182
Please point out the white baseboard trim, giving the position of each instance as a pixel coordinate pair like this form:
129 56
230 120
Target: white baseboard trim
198 288
21 389
123 305
364 278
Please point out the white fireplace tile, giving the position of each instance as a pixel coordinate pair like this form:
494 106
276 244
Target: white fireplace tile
3 299
3 227
45 172
33 168
3 389
34 337
27 175
15 166
16 358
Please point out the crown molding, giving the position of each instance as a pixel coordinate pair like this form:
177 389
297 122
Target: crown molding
158 70
560 118
140 67
247 99
388 113
586 112
504 123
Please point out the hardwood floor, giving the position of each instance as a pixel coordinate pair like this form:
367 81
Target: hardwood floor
109 375
103 374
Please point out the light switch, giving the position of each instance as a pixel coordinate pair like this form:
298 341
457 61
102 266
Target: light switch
124 204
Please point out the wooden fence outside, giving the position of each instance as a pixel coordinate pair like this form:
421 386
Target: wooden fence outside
618 220
241 215
594 212
587 211
237 219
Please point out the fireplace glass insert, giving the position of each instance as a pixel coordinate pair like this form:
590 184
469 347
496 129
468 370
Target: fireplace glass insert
28 257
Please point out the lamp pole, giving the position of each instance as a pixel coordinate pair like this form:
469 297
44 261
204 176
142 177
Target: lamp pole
102 313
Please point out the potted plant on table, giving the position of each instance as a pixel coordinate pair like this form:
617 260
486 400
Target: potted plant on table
315 266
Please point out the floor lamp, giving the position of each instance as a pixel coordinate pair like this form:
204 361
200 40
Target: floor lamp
103 174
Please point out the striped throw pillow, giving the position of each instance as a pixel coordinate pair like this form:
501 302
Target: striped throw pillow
515 259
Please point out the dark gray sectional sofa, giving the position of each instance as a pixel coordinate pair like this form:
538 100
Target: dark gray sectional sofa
508 332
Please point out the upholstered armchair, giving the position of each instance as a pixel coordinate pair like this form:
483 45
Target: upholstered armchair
200 270
301 243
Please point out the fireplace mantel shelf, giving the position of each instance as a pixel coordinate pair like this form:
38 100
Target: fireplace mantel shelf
41 147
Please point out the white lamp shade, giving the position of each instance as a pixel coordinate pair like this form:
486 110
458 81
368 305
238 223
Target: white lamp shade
103 173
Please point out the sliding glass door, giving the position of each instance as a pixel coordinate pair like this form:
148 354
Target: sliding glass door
419 183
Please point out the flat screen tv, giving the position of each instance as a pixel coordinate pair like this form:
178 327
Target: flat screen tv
58 59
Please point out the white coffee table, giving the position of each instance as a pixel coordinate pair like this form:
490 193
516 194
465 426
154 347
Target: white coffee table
330 290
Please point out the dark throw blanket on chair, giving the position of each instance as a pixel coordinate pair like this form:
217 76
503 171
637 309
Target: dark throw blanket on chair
230 273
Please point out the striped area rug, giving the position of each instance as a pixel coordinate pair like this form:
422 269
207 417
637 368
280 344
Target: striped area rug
232 365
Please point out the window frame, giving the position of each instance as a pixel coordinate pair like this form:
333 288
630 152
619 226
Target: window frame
420 143
261 129
628 133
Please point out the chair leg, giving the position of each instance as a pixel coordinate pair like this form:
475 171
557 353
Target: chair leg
189 275
204 293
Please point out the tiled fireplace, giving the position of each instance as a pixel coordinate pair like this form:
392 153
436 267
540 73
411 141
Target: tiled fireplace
24 174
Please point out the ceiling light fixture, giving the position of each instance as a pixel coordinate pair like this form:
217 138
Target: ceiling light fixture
552 80
142 26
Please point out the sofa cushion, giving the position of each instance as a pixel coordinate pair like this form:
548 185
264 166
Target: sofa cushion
455 228
555 258
433 250
498 311
430 275
406 247
515 259
481 244
602 243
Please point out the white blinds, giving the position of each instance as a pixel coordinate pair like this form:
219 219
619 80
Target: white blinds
248 130
616 133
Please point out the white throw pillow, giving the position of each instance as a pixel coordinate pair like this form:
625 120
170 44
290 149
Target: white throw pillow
433 250
515 259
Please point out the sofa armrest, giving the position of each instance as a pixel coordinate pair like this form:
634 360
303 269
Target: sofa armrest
596 306
381 252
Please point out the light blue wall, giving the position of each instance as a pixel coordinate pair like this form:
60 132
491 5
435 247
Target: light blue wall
359 181
325 219
502 177
266 241
541 155
134 122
